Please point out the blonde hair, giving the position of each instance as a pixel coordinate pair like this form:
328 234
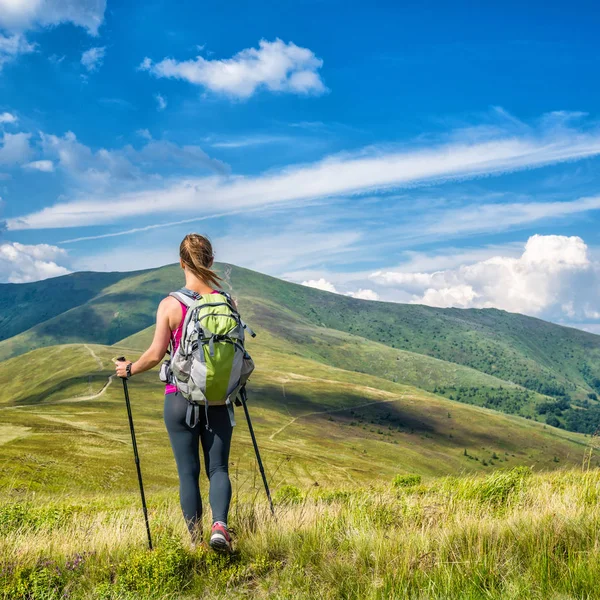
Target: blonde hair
196 253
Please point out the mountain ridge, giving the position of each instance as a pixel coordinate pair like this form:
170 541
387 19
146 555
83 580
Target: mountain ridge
558 366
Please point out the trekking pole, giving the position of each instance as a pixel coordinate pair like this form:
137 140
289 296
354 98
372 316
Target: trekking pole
136 455
260 465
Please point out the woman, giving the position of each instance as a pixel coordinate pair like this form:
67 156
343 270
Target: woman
196 259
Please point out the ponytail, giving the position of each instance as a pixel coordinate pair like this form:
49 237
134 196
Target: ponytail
196 253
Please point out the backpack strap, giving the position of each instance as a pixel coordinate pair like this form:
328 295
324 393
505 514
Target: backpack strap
247 328
184 298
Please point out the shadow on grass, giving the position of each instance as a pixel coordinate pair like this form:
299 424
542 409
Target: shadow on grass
96 381
328 402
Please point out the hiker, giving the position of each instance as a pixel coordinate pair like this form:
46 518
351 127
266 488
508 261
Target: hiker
188 423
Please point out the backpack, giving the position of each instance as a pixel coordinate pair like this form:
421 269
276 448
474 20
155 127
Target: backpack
211 365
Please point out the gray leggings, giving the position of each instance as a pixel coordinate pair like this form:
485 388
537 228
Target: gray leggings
215 446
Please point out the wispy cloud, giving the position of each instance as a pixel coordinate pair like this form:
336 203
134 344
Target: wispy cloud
17 17
7 117
93 58
117 103
161 102
21 15
15 148
494 217
105 169
47 166
373 170
275 66
12 46
250 140
300 243
145 228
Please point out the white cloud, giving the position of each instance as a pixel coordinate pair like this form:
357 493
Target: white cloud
364 294
449 258
12 46
93 58
119 103
105 169
553 277
161 102
15 148
251 140
499 216
20 263
321 284
299 243
163 152
369 171
7 118
47 166
275 66
87 168
328 286
21 15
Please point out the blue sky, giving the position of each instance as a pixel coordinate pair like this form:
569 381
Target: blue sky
411 152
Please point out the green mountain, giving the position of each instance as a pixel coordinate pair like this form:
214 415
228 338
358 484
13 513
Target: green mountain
492 358
333 402
63 427
25 305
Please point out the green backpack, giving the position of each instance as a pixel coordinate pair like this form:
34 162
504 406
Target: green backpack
211 365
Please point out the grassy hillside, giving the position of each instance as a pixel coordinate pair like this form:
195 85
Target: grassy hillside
508 536
65 428
542 356
25 305
394 341
296 337
383 489
116 311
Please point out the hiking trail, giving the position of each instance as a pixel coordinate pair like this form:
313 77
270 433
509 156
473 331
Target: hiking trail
97 394
76 398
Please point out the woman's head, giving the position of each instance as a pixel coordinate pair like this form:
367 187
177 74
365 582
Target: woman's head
196 254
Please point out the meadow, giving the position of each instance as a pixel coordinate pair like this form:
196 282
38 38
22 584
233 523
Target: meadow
511 534
396 473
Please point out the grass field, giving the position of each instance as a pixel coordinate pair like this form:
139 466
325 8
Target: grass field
509 535
386 485
65 427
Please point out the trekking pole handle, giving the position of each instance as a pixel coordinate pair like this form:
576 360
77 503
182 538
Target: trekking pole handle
123 359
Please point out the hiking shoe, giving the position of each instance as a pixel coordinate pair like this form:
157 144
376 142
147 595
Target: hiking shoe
220 540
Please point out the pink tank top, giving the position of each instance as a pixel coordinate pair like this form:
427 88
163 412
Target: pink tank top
176 340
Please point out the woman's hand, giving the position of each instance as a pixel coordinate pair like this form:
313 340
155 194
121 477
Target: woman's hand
121 368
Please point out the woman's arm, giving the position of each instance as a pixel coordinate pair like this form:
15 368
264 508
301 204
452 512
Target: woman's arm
160 343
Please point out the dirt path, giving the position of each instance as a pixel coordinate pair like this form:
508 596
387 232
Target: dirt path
97 394
90 397
77 398
95 357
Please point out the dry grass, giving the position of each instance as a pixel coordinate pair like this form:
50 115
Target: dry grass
508 535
